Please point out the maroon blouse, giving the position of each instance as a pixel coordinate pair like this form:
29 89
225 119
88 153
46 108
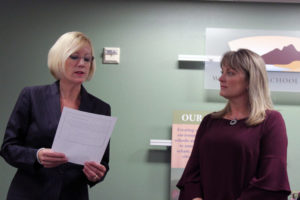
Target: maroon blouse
238 162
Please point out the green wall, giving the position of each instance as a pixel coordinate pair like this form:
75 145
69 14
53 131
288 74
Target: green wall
148 84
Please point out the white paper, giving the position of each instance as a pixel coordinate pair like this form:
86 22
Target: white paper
83 136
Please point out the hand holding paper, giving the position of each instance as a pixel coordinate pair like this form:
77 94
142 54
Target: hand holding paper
48 158
83 136
94 171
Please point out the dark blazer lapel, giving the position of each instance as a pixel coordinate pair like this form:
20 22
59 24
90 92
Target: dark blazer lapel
85 102
53 104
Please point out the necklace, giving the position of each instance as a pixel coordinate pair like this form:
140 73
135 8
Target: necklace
233 122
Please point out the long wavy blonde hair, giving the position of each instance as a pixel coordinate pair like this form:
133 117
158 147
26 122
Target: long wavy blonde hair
259 94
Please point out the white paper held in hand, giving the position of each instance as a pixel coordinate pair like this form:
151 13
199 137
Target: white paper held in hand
83 136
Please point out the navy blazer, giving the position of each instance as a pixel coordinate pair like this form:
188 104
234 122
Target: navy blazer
32 125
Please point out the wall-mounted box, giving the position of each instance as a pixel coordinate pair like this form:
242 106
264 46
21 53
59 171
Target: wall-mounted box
111 55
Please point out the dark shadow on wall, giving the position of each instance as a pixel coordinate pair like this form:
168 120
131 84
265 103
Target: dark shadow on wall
160 154
191 65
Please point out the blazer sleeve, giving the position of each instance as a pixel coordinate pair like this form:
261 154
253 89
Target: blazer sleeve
14 149
189 184
271 180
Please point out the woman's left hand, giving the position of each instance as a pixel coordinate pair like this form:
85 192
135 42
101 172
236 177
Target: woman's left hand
93 171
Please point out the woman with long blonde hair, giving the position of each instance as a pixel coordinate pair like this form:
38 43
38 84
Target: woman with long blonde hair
240 152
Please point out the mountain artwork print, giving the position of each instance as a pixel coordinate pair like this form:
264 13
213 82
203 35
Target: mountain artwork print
280 53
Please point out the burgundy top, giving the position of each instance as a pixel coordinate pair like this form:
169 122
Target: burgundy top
237 162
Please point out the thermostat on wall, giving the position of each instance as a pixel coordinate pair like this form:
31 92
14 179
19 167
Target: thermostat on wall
111 55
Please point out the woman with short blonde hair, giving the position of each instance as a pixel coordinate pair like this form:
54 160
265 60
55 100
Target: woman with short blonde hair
33 123
67 44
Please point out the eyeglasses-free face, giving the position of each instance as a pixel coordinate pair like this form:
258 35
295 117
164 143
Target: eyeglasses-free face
233 83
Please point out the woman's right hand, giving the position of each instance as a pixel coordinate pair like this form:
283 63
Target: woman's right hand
48 158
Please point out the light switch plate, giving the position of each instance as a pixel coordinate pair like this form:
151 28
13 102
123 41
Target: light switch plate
111 55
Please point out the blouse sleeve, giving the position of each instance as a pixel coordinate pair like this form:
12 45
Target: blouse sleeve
271 180
13 149
189 184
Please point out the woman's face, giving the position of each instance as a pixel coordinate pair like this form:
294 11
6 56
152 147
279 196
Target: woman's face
233 83
78 64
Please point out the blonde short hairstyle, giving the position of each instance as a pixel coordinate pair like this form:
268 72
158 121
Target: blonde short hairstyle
259 94
66 45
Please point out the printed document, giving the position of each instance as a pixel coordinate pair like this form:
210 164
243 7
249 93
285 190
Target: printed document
83 136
